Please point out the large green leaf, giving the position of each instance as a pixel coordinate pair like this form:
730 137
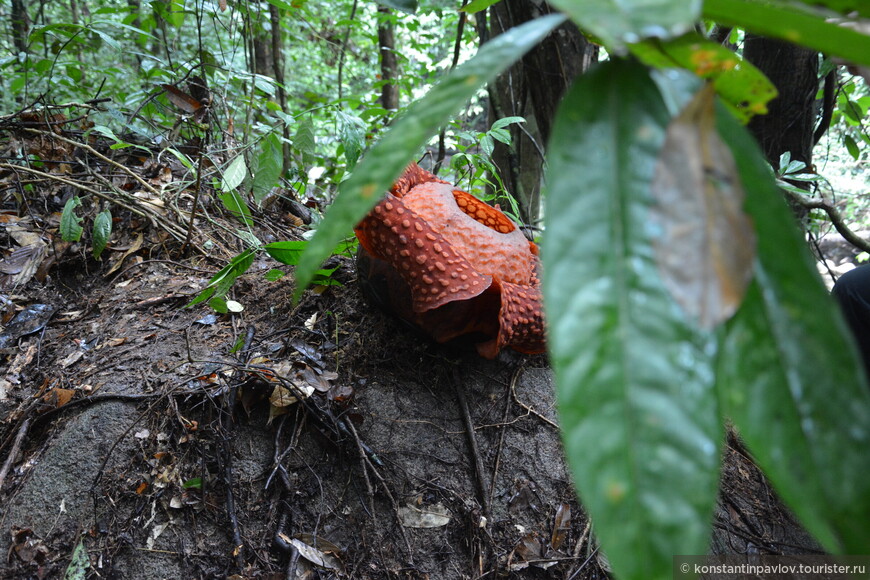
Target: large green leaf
788 377
385 161
621 22
783 20
639 414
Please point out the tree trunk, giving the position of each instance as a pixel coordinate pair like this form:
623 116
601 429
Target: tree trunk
790 121
20 22
389 63
278 70
532 89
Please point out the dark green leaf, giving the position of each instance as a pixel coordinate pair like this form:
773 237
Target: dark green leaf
385 161
270 163
779 19
639 415
102 232
621 22
789 377
70 224
851 147
195 483
219 304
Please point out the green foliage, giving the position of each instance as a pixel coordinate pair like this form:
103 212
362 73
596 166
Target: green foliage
473 163
743 88
70 224
385 161
78 567
102 232
798 24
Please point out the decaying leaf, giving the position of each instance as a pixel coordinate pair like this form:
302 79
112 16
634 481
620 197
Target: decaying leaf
706 246
432 516
561 525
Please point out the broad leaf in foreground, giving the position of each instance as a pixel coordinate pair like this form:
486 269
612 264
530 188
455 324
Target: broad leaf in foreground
785 21
386 160
639 414
621 22
789 377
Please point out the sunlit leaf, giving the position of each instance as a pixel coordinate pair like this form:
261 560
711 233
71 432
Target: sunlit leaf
386 160
621 22
743 87
635 382
706 246
234 174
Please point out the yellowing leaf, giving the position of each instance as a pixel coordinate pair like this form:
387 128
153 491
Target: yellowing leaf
706 246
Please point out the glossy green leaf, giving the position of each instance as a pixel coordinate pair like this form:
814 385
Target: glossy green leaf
743 87
71 224
789 377
635 379
779 19
101 233
386 160
270 163
621 22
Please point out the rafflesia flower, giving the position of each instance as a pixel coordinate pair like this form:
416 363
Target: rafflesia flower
452 265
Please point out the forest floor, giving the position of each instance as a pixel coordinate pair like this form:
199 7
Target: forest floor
141 439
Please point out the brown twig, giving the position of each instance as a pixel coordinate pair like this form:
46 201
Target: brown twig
480 479
16 447
834 215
